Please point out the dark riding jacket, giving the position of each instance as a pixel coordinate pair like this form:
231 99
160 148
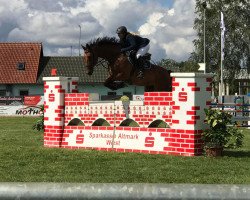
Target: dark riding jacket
133 42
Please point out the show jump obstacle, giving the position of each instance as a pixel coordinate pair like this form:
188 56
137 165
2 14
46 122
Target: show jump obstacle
71 119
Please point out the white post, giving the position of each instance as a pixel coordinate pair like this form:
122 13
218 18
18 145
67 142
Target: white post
213 95
80 39
222 26
227 88
220 91
221 76
204 45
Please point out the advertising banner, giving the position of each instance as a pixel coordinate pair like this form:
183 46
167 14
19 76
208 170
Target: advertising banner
135 140
12 100
138 97
20 110
33 100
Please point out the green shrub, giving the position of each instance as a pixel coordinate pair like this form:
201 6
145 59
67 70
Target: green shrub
39 125
222 131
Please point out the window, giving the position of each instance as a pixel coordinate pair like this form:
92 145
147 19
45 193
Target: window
112 93
128 94
21 66
2 92
110 97
24 92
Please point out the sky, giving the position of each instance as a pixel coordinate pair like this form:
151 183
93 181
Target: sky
167 23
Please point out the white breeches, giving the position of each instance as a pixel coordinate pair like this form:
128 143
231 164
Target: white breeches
142 51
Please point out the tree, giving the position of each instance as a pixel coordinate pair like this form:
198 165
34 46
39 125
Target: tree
188 66
169 64
237 35
183 66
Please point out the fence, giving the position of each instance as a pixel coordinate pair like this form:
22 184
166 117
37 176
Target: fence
238 108
122 191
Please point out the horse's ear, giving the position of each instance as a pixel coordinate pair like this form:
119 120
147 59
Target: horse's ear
84 48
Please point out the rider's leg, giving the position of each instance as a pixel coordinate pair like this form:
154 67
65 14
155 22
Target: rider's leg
132 57
141 52
139 66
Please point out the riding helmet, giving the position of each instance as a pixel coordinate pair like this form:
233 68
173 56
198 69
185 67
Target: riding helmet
121 29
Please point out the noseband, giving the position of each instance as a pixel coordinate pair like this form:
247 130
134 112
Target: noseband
92 57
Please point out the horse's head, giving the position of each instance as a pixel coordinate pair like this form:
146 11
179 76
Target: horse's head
89 59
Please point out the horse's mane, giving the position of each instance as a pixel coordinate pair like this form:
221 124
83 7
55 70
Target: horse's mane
103 41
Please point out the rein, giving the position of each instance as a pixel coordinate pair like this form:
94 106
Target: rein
100 61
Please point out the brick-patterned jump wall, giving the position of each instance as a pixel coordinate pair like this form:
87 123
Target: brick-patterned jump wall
190 96
182 110
54 108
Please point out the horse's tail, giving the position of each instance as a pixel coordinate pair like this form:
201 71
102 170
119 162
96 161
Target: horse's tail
169 71
167 78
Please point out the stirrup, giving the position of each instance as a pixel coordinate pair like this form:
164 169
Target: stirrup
140 75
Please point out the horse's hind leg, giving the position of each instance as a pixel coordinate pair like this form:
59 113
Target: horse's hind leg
149 88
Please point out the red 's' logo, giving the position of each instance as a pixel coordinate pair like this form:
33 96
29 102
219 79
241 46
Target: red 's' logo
149 141
182 96
79 139
51 97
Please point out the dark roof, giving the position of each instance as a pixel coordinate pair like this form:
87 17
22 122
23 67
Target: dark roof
71 67
13 53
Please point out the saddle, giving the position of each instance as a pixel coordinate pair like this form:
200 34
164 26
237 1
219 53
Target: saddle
145 60
147 56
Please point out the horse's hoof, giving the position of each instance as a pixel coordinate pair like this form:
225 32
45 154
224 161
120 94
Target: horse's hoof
123 85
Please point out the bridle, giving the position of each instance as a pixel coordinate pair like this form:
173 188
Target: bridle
100 61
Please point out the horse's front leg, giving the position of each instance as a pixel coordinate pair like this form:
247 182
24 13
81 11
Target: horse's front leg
120 77
109 83
113 84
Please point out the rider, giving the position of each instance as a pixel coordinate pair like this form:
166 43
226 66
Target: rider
131 42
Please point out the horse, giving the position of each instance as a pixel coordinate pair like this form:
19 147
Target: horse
121 70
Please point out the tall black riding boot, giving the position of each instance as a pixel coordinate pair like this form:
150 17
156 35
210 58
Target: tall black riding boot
139 66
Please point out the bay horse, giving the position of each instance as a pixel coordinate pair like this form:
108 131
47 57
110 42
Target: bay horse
120 69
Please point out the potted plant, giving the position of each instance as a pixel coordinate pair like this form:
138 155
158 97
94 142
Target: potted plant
124 98
221 133
125 102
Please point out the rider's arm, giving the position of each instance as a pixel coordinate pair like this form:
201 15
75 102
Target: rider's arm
132 44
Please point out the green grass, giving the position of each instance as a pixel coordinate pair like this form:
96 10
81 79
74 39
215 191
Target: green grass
24 159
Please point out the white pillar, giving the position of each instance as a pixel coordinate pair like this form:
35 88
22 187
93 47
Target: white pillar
220 89
227 88
191 94
54 108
